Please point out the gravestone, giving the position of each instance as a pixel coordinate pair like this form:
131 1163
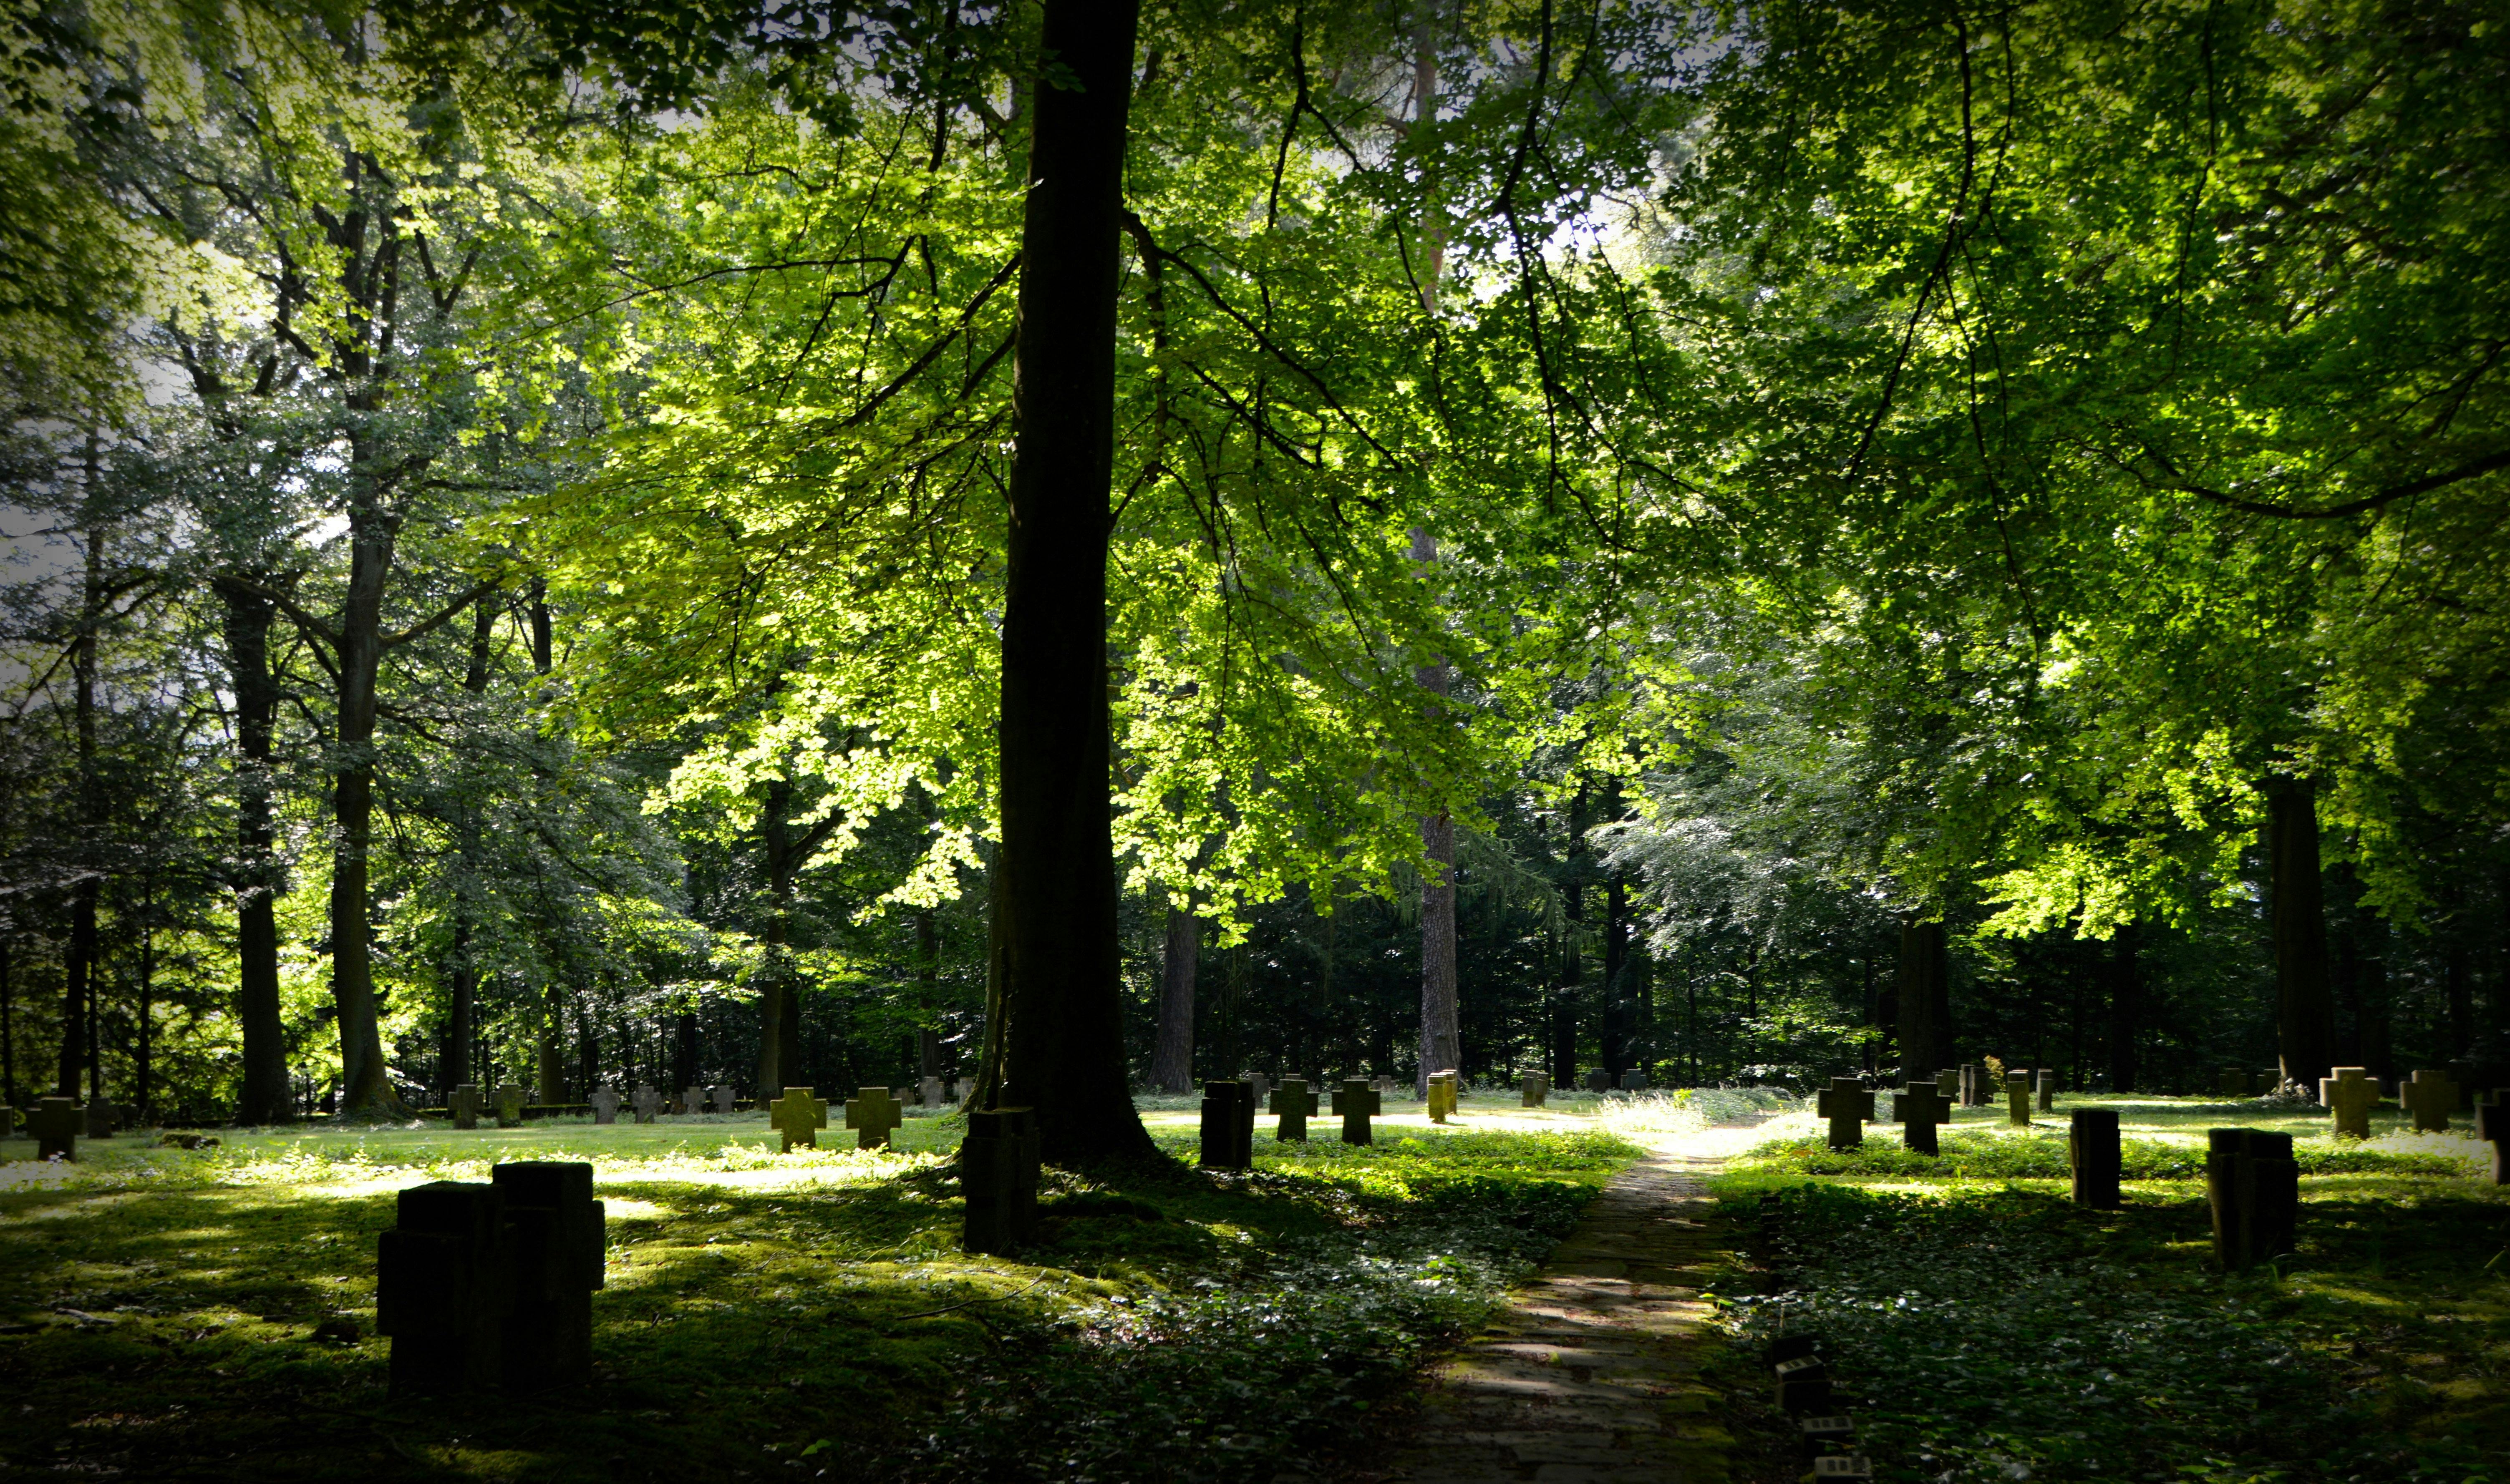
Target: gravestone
1260 1086
2236 1082
1295 1104
99 1119
721 1093
1921 1105
871 1113
1949 1083
692 1100
2493 1126
1804 1384
553 1244
647 1103
605 1105
1848 1106
54 1124
508 1101
2470 1084
1383 1087
1635 1081
2431 1097
466 1105
2350 1095
798 1117
997 1165
1358 1102
2092 1150
2048 1090
442 1288
2017 1099
1537 1090
1599 1081
1442 1096
1842 1465
1228 1125
929 1092
8 1121
2253 1189
1820 1434
962 1089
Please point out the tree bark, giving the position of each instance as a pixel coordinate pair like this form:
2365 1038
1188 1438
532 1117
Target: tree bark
927 983
1441 1043
78 979
248 611
1573 950
780 1010
463 975
365 1084
1925 1031
2126 1009
1172 1050
1615 1035
1062 1009
2304 1013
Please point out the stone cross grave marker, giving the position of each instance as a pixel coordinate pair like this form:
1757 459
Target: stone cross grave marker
2350 1095
1295 1102
1848 1106
509 1100
2253 1188
1383 1087
2017 1099
962 1089
871 1113
466 1105
54 1124
605 1105
1228 1125
997 1165
1921 1105
99 1119
647 1103
440 1289
721 1093
1538 1089
928 1091
1442 1096
1948 1082
2431 1097
554 1234
2092 1150
692 1100
1635 1081
1599 1081
2048 1090
2493 1126
1358 1102
799 1117
1261 1086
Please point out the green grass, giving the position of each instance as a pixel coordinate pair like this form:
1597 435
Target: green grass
156 1305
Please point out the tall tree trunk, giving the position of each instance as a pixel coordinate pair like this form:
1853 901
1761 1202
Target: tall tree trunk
78 979
365 1084
1172 1049
462 974
1062 1002
1573 947
927 983
1925 1035
1441 1039
2126 1008
779 1009
2304 1016
684 1051
8 1016
143 1080
248 611
1617 966
554 998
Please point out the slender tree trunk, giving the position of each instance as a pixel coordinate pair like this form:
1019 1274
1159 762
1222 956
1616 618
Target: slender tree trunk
78 980
552 1057
1617 965
684 1051
2304 1018
1442 1040
2126 1008
780 1010
7 1017
462 974
144 1070
1172 1050
365 1081
927 983
1061 1004
248 611
1925 1043
1573 947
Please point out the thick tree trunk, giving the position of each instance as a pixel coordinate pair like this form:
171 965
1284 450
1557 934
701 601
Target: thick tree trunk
2305 1016
248 612
554 998
1441 1041
462 973
366 1083
2126 1009
1172 1049
780 1012
1061 1003
1925 1041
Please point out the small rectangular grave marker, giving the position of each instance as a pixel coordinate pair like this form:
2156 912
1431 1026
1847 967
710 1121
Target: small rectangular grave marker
1804 1385
648 1103
466 1105
555 1243
1228 1125
1842 1465
2092 1150
1442 1096
1599 1081
2253 1187
1295 1103
1259 1085
2493 1126
2048 1090
1537 1090
997 1165
2017 1099
54 1124
442 1288
605 1105
99 1119
2236 1082
798 1117
1848 1106
509 1100
2431 1097
1356 1103
1635 1081
1921 1105
721 1093
871 1113
1823 1433
2350 1095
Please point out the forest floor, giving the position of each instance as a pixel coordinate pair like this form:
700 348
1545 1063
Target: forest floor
771 1315
1989 1329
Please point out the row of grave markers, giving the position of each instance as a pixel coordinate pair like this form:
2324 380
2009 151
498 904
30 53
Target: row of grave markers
1804 1395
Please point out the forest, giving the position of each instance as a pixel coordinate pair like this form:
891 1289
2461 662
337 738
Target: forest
1090 549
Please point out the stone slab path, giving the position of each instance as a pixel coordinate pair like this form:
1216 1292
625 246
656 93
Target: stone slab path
1588 1375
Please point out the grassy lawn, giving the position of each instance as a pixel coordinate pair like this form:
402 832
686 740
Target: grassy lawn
1992 1330
772 1316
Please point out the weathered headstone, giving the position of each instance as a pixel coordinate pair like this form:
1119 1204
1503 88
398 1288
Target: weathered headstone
1821 1435
2017 1098
1356 1103
2048 1090
1259 1087
2092 1149
54 1124
1949 1083
1295 1103
1635 1081
2493 1126
1537 1090
871 1113
8 1121
2253 1187
509 1100
928 1091
1921 1105
692 1100
997 1165
1848 1106
1804 1382
605 1105
1442 1096
553 1237
798 1117
1842 1465
2431 1097
466 1105
647 1103
2350 1095
721 1093
1228 1125
1599 1081
99 1118
962 1089
2236 1082
442 1289
1383 1087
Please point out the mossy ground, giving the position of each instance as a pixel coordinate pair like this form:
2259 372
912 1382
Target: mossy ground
772 1316
1992 1330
